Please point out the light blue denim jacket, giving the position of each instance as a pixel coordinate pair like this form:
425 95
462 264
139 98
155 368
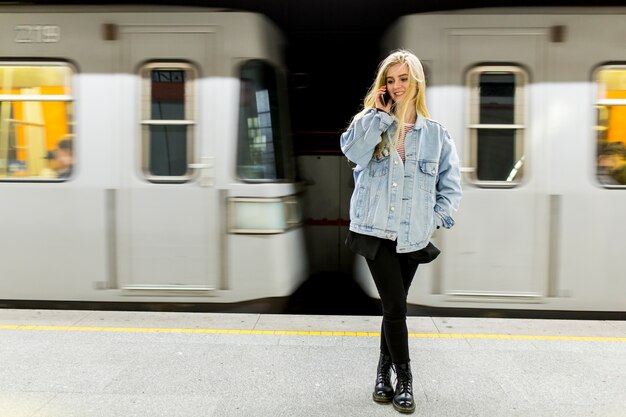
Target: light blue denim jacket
395 200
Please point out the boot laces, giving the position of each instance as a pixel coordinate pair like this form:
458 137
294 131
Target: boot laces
384 367
404 378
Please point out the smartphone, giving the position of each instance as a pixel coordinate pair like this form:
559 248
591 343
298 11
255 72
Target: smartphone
386 97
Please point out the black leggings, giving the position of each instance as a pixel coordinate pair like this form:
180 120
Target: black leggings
393 274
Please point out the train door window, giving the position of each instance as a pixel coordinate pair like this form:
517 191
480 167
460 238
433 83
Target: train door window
611 125
167 121
36 121
496 124
262 152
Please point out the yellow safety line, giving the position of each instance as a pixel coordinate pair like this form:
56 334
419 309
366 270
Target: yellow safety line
312 333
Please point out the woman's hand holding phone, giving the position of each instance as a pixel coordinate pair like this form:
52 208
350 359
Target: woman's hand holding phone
383 100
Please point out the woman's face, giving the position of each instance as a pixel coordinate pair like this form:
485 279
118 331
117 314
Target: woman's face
398 83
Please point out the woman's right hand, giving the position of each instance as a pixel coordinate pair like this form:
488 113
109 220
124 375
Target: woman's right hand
380 104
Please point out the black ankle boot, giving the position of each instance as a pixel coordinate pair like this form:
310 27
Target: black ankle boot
383 391
403 397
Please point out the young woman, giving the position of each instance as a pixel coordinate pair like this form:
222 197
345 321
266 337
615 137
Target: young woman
406 185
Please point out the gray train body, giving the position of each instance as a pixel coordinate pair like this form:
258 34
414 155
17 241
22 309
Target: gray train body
182 187
533 99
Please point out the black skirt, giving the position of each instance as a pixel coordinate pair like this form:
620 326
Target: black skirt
367 246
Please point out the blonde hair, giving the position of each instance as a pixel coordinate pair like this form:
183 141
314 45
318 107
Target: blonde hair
416 80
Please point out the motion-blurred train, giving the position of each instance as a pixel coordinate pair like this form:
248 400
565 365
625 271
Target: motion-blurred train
145 155
536 102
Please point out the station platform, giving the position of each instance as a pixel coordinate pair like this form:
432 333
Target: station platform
108 363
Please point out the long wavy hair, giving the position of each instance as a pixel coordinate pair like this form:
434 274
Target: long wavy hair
416 80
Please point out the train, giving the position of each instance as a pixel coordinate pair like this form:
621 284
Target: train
145 156
535 100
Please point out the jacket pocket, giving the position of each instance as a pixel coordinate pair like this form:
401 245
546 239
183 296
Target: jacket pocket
427 175
379 167
360 203
421 218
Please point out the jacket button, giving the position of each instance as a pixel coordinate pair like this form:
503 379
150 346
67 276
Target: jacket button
395 162
389 236
393 209
395 184
432 172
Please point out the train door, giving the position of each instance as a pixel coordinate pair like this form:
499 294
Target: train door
497 252
168 209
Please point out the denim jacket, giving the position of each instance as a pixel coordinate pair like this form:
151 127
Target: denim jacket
402 201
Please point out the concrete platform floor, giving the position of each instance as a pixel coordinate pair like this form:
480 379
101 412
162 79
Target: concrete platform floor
94 363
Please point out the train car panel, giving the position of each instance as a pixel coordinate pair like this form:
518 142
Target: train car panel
43 228
168 212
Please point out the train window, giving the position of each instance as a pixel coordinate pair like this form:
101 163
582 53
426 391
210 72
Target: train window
36 120
611 125
167 121
262 152
496 124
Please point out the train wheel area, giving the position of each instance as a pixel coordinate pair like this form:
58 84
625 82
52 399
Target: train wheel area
114 363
